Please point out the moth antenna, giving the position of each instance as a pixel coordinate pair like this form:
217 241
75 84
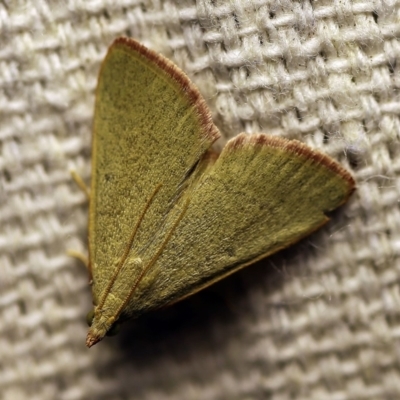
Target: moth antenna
154 259
128 246
173 201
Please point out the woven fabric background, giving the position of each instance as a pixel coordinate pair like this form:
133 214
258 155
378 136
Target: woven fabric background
319 321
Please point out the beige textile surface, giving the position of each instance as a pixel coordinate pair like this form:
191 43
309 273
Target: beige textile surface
319 321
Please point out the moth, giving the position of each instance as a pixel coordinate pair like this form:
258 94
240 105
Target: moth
168 216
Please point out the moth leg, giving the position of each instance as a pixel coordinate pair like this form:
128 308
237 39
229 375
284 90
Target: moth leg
84 260
81 184
73 253
80 256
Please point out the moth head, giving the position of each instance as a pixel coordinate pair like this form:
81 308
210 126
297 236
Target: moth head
100 326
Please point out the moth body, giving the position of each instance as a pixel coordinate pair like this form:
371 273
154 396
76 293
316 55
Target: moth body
168 216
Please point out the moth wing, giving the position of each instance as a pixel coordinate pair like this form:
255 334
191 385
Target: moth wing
262 194
151 127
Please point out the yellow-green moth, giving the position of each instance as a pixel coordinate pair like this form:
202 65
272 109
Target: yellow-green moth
168 216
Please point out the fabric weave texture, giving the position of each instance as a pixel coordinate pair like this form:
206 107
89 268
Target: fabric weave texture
319 321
